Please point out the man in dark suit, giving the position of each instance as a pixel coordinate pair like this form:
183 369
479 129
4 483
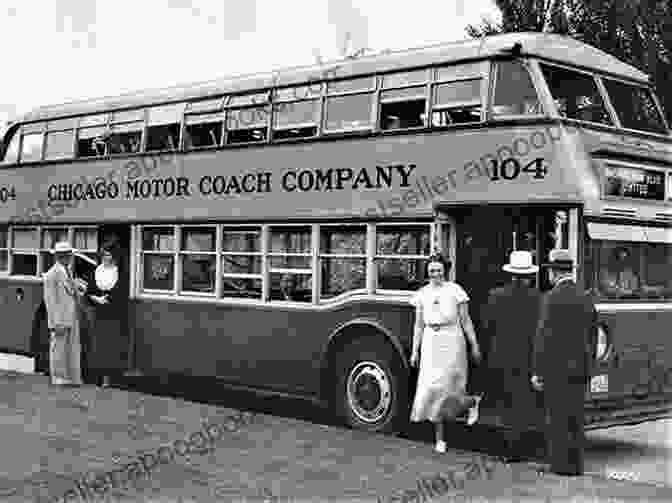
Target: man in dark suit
564 348
509 322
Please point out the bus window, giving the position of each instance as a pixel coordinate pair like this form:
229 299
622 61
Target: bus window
24 251
86 241
158 258
241 262
4 248
203 130
635 106
351 85
514 92
456 103
628 270
403 108
59 145
405 79
402 253
91 141
575 94
31 147
349 112
296 119
125 138
199 259
342 259
163 127
290 263
51 236
247 125
12 152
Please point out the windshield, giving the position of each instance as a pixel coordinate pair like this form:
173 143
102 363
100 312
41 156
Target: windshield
635 106
577 96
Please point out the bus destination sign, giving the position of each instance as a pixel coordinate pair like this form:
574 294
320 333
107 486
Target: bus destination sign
637 183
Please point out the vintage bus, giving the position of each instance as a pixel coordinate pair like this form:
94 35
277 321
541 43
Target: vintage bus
274 226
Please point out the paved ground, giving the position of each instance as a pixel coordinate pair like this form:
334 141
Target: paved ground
51 437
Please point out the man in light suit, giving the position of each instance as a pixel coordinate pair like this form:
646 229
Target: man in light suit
510 323
562 357
60 299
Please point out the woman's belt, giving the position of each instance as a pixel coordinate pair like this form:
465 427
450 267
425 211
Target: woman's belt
437 326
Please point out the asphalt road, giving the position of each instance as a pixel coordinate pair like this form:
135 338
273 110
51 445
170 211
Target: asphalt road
639 453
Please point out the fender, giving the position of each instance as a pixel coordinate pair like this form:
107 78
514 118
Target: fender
363 322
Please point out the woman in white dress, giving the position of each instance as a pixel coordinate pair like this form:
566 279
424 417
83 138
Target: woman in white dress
442 327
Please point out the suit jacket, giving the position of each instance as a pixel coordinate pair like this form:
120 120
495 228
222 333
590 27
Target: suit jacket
59 297
509 323
566 338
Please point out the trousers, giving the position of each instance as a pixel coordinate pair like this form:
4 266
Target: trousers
64 356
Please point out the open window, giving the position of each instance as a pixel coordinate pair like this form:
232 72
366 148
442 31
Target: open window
403 100
163 127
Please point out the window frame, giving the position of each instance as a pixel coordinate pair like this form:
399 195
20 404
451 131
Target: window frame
539 84
355 256
25 251
221 253
171 253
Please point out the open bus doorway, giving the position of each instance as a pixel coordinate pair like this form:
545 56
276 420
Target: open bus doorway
484 236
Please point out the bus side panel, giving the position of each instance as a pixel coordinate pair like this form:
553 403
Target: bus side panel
642 342
18 313
270 347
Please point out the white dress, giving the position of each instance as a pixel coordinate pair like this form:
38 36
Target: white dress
442 378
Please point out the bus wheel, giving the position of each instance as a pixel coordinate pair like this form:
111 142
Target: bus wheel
371 392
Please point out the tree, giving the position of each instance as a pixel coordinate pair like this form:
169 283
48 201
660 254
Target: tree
638 32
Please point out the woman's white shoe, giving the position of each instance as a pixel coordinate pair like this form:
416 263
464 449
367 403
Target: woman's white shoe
440 447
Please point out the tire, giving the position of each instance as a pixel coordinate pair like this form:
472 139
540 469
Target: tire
371 387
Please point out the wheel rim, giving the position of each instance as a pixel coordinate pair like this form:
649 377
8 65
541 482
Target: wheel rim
369 392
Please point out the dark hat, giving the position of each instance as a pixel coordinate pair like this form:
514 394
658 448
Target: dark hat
560 259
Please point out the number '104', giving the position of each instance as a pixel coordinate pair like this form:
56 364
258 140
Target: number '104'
510 169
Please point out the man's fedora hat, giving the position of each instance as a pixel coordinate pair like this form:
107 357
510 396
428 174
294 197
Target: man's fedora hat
63 247
560 259
520 262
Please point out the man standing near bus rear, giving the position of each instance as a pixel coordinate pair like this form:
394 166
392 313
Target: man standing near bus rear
561 359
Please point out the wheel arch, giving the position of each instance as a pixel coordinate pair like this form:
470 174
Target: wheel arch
346 333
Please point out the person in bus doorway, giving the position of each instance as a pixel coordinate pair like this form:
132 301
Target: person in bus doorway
443 335
562 354
106 338
61 293
510 322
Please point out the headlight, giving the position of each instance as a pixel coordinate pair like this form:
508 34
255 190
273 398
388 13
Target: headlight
602 351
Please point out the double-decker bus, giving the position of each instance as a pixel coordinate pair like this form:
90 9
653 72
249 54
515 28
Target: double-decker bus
273 226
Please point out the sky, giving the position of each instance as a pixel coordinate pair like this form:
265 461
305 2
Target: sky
57 51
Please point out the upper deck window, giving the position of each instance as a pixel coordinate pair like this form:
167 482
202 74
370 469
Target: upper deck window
91 136
514 92
126 132
635 107
352 111
576 95
203 124
163 127
248 122
296 112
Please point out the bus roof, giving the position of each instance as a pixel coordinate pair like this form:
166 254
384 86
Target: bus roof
547 46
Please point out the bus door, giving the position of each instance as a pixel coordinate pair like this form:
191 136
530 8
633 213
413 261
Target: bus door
118 237
484 236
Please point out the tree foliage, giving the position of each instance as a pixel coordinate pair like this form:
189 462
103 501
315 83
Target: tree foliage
638 32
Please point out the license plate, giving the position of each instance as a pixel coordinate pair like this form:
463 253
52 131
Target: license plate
599 384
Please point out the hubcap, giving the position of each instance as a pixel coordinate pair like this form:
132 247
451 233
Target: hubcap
369 392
